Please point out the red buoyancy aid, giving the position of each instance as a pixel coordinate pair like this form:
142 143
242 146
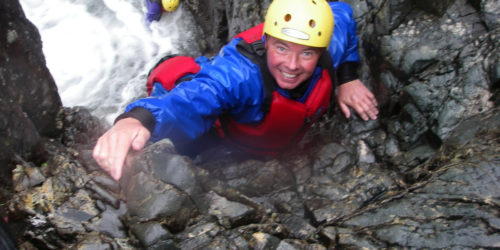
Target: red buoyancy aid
170 69
284 124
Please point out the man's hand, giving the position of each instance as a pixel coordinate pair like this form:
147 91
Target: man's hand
112 147
354 94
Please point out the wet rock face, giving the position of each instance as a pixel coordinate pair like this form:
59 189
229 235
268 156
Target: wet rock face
327 199
424 175
454 204
29 102
434 60
33 90
219 21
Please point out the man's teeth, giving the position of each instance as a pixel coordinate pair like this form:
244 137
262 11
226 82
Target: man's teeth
288 75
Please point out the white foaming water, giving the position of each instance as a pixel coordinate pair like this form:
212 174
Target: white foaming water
100 51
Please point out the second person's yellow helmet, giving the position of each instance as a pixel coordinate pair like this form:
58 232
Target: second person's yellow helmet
170 5
305 22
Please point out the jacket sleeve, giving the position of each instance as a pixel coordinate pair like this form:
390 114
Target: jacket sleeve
228 84
344 44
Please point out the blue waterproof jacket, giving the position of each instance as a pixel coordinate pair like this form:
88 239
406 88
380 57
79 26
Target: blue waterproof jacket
231 84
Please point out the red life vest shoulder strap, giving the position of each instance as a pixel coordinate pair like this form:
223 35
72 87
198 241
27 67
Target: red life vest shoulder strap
252 47
170 69
253 34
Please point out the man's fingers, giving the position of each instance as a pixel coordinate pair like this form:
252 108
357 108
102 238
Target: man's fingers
345 110
375 112
360 109
110 152
374 101
116 173
368 108
100 154
119 151
363 116
140 139
96 153
372 114
112 148
360 98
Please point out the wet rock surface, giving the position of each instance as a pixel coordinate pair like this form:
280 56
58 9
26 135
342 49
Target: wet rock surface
426 174
30 106
219 21
331 199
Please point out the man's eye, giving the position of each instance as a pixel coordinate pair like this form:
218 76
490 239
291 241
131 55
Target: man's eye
307 54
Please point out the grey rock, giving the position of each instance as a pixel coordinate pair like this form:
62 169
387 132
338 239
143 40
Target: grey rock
435 8
229 213
263 241
365 155
198 235
109 222
490 10
25 177
148 198
69 221
153 236
255 178
327 156
299 228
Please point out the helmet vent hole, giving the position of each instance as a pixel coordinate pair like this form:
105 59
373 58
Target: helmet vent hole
319 33
314 2
312 23
288 17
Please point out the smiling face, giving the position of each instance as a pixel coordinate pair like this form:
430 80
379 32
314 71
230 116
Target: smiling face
290 63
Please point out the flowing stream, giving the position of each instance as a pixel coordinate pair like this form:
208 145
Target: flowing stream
100 51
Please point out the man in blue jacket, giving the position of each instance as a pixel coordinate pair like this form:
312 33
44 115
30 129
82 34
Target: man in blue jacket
253 94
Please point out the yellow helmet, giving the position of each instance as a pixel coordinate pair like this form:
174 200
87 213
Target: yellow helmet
305 22
170 5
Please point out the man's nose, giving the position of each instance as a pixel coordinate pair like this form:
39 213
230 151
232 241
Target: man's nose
292 61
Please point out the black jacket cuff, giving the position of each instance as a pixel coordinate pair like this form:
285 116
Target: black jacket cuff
143 115
347 72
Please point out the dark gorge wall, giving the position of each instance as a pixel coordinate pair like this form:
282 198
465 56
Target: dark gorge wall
219 21
432 64
29 102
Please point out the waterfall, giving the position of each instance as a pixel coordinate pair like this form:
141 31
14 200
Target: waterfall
100 51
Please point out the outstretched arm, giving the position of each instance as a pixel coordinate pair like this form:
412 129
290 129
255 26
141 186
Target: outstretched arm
354 94
112 147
